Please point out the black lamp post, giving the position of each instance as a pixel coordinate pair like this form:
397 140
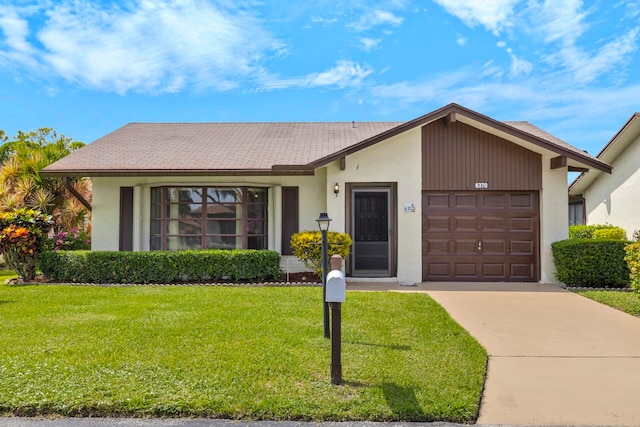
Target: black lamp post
323 224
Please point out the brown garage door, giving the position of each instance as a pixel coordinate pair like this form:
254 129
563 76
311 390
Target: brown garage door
480 236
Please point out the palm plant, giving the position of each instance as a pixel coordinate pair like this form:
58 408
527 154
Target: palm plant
21 184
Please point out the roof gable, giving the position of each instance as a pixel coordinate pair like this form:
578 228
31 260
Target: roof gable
629 132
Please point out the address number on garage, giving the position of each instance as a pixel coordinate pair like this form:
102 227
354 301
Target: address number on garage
482 185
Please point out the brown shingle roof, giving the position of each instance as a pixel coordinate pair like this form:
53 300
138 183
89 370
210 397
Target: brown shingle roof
215 146
260 148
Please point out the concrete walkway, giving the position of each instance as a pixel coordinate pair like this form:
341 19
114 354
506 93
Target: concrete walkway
556 358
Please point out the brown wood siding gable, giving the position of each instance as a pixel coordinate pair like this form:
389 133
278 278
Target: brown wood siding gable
459 157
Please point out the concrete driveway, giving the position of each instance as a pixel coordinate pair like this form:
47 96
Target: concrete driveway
554 357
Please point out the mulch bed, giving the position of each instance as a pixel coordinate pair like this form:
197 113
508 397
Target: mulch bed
291 279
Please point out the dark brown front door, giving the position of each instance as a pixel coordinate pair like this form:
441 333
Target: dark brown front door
371 227
480 236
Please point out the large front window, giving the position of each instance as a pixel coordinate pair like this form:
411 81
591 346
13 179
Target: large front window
208 218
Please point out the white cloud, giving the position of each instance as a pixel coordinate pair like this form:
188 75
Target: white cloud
376 18
152 47
558 20
321 20
369 43
586 67
562 24
494 15
501 44
519 66
461 41
345 74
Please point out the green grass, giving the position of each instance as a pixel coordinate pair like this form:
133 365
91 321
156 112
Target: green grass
225 352
6 274
629 302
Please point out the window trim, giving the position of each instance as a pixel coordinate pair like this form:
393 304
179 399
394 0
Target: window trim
244 204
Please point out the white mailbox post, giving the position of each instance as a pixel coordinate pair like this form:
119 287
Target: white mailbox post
336 294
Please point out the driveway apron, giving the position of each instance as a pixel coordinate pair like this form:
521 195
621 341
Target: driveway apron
555 357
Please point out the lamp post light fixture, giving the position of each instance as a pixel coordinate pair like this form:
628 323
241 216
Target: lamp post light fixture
323 224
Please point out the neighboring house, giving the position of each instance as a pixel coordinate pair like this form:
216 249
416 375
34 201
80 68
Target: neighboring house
449 196
598 198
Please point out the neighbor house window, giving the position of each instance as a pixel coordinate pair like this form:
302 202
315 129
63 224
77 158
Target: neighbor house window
208 218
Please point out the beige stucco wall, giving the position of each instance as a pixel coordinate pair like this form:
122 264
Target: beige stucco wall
554 215
397 160
615 198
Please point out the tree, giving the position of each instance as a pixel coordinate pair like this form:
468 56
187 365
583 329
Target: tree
22 186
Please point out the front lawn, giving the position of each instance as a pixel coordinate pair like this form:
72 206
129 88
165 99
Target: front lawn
629 302
231 352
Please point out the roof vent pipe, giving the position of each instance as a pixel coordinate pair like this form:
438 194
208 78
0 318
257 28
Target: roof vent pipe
353 124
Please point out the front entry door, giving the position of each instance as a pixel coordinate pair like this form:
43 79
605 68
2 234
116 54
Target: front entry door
371 228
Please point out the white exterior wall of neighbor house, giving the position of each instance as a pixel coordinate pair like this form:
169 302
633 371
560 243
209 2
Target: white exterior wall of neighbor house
106 215
615 198
554 215
396 160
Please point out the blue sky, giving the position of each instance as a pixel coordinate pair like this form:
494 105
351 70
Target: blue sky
87 67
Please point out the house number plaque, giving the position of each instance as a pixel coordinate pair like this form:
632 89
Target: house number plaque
482 185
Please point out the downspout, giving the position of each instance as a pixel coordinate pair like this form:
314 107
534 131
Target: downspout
68 186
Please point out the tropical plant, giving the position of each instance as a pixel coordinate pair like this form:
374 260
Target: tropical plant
73 240
307 247
22 236
22 186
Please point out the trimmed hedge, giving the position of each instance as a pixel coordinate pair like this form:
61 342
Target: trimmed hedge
159 267
591 262
633 262
589 231
613 233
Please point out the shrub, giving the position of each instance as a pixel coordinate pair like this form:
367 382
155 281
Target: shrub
159 267
612 233
632 258
307 247
22 239
591 262
586 231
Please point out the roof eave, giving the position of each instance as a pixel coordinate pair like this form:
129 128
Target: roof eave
59 173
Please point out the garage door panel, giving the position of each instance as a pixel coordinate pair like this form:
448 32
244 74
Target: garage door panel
439 270
494 247
438 223
493 201
521 271
437 201
464 201
506 225
522 224
466 269
491 223
438 246
465 223
464 247
520 247
523 201
493 270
